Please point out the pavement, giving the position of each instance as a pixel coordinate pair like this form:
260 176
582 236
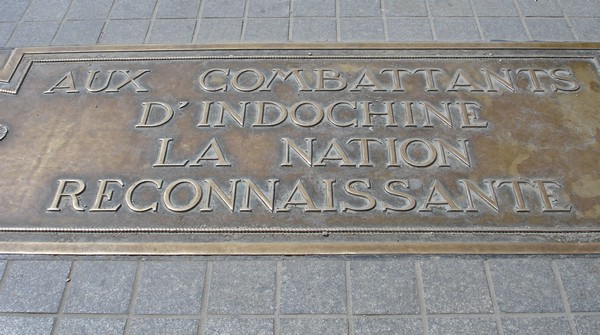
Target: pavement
386 294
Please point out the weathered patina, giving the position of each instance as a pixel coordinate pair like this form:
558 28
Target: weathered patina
266 149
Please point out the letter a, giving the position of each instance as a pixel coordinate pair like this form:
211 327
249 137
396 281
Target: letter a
212 152
65 83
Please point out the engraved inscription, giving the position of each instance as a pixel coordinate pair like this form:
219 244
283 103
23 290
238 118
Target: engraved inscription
390 79
352 104
109 81
372 195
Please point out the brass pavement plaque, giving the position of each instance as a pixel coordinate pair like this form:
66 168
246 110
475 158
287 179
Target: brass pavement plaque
267 149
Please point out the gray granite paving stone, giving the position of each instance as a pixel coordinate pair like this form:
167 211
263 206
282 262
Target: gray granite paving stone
114 32
100 287
224 8
586 28
310 286
409 29
397 296
178 9
2 268
104 326
387 326
450 8
46 10
32 34
6 29
304 326
580 8
404 8
11 11
462 326
456 29
219 30
89 9
549 29
171 31
313 8
536 326
79 32
314 29
503 29
132 9
235 326
541 8
587 324
25 325
268 8
34 286
525 285
151 326
266 30
360 8
170 287
581 280
495 8
454 285
361 29
239 287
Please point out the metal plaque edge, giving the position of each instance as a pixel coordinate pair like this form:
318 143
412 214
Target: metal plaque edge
265 249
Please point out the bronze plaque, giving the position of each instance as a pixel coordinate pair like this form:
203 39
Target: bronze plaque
267 149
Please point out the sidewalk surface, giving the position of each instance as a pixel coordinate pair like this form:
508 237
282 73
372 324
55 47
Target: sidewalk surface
85 22
504 295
